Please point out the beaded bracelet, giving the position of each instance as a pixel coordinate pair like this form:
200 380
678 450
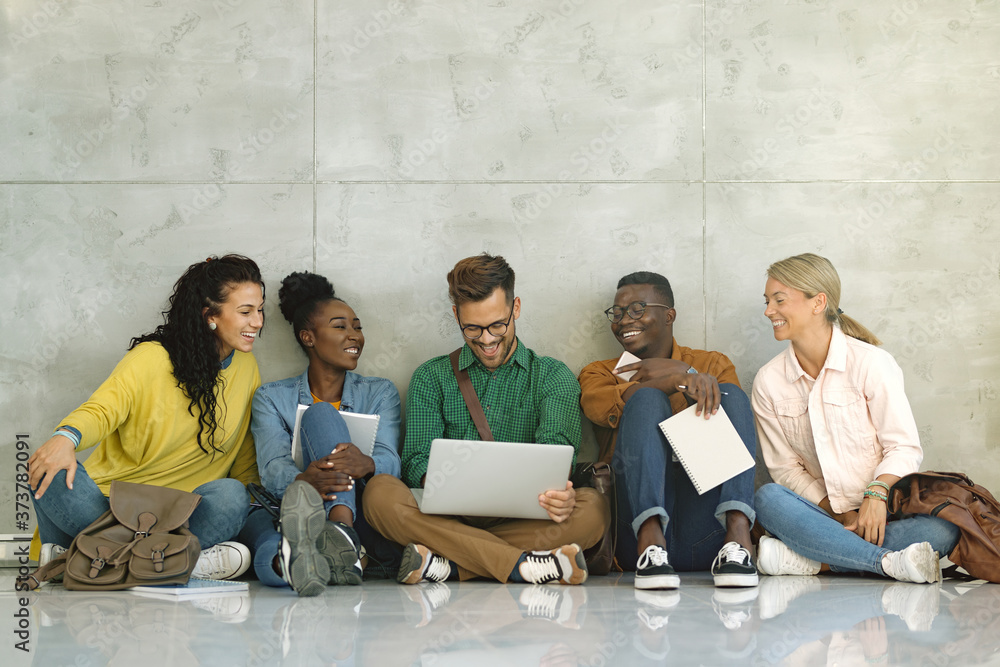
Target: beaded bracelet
875 494
878 483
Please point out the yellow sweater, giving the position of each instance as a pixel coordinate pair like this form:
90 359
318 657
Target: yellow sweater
139 420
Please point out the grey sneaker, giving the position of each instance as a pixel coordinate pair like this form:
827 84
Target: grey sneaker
340 546
302 522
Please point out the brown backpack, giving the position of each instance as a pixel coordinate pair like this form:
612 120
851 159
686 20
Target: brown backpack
954 497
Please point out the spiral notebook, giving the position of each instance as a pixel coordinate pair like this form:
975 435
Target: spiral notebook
710 450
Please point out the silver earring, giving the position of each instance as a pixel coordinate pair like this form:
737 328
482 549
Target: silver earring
213 326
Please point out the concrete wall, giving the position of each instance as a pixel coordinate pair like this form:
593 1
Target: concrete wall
378 143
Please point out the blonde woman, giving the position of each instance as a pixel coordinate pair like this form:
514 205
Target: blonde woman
836 432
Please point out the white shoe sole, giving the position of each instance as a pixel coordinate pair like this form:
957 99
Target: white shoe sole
657 582
736 580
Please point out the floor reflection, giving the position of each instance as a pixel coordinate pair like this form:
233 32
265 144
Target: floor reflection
786 620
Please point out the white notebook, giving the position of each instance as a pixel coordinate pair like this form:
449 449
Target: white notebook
710 450
193 588
362 429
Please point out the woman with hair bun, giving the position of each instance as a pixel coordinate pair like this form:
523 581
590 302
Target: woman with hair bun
321 505
175 412
836 432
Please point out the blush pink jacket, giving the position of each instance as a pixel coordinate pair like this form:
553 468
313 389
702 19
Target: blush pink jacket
833 435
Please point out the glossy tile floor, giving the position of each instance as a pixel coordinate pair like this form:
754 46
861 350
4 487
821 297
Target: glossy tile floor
786 620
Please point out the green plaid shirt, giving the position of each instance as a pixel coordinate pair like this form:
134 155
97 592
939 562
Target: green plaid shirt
528 399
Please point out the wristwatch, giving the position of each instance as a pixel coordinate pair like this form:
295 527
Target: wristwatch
692 371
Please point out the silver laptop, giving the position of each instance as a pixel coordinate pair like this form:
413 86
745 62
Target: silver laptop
501 479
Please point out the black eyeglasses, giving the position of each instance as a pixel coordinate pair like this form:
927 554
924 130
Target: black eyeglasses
635 310
474 331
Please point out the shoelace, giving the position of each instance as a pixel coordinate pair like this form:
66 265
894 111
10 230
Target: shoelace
653 555
542 602
437 594
731 552
217 562
652 622
438 569
540 568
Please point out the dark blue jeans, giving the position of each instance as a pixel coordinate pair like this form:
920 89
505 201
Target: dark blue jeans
649 483
62 513
323 428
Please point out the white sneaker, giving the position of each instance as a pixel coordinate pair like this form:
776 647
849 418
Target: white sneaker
776 593
917 563
775 558
49 551
562 605
918 606
226 560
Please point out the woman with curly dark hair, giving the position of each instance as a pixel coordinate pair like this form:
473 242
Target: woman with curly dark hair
174 412
321 517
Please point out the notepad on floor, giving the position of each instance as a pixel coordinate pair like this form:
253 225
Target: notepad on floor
362 429
710 450
193 588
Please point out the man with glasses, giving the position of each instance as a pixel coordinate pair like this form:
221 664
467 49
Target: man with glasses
526 398
700 532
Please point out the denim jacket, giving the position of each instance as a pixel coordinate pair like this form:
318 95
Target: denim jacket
273 418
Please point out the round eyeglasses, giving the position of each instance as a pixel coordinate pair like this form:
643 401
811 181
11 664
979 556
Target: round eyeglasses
635 310
474 331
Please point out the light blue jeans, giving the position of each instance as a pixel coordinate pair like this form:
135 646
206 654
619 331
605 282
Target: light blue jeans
62 513
809 531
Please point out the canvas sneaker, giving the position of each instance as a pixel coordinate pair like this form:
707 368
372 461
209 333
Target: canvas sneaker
565 565
49 552
917 563
733 567
775 558
226 560
421 564
653 570
340 546
303 519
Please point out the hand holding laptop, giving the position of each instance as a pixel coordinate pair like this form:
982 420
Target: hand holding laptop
558 504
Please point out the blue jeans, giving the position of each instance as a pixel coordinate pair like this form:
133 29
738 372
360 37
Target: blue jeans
62 513
323 428
809 531
651 484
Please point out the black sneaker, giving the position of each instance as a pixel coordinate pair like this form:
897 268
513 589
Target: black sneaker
302 522
653 570
340 546
734 567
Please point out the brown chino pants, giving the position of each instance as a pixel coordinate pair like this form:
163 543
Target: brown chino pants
480 546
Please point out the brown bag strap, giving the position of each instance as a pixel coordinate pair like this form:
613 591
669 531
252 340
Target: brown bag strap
51 570
471 400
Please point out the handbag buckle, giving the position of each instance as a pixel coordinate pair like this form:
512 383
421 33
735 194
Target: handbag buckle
96 566
158 556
